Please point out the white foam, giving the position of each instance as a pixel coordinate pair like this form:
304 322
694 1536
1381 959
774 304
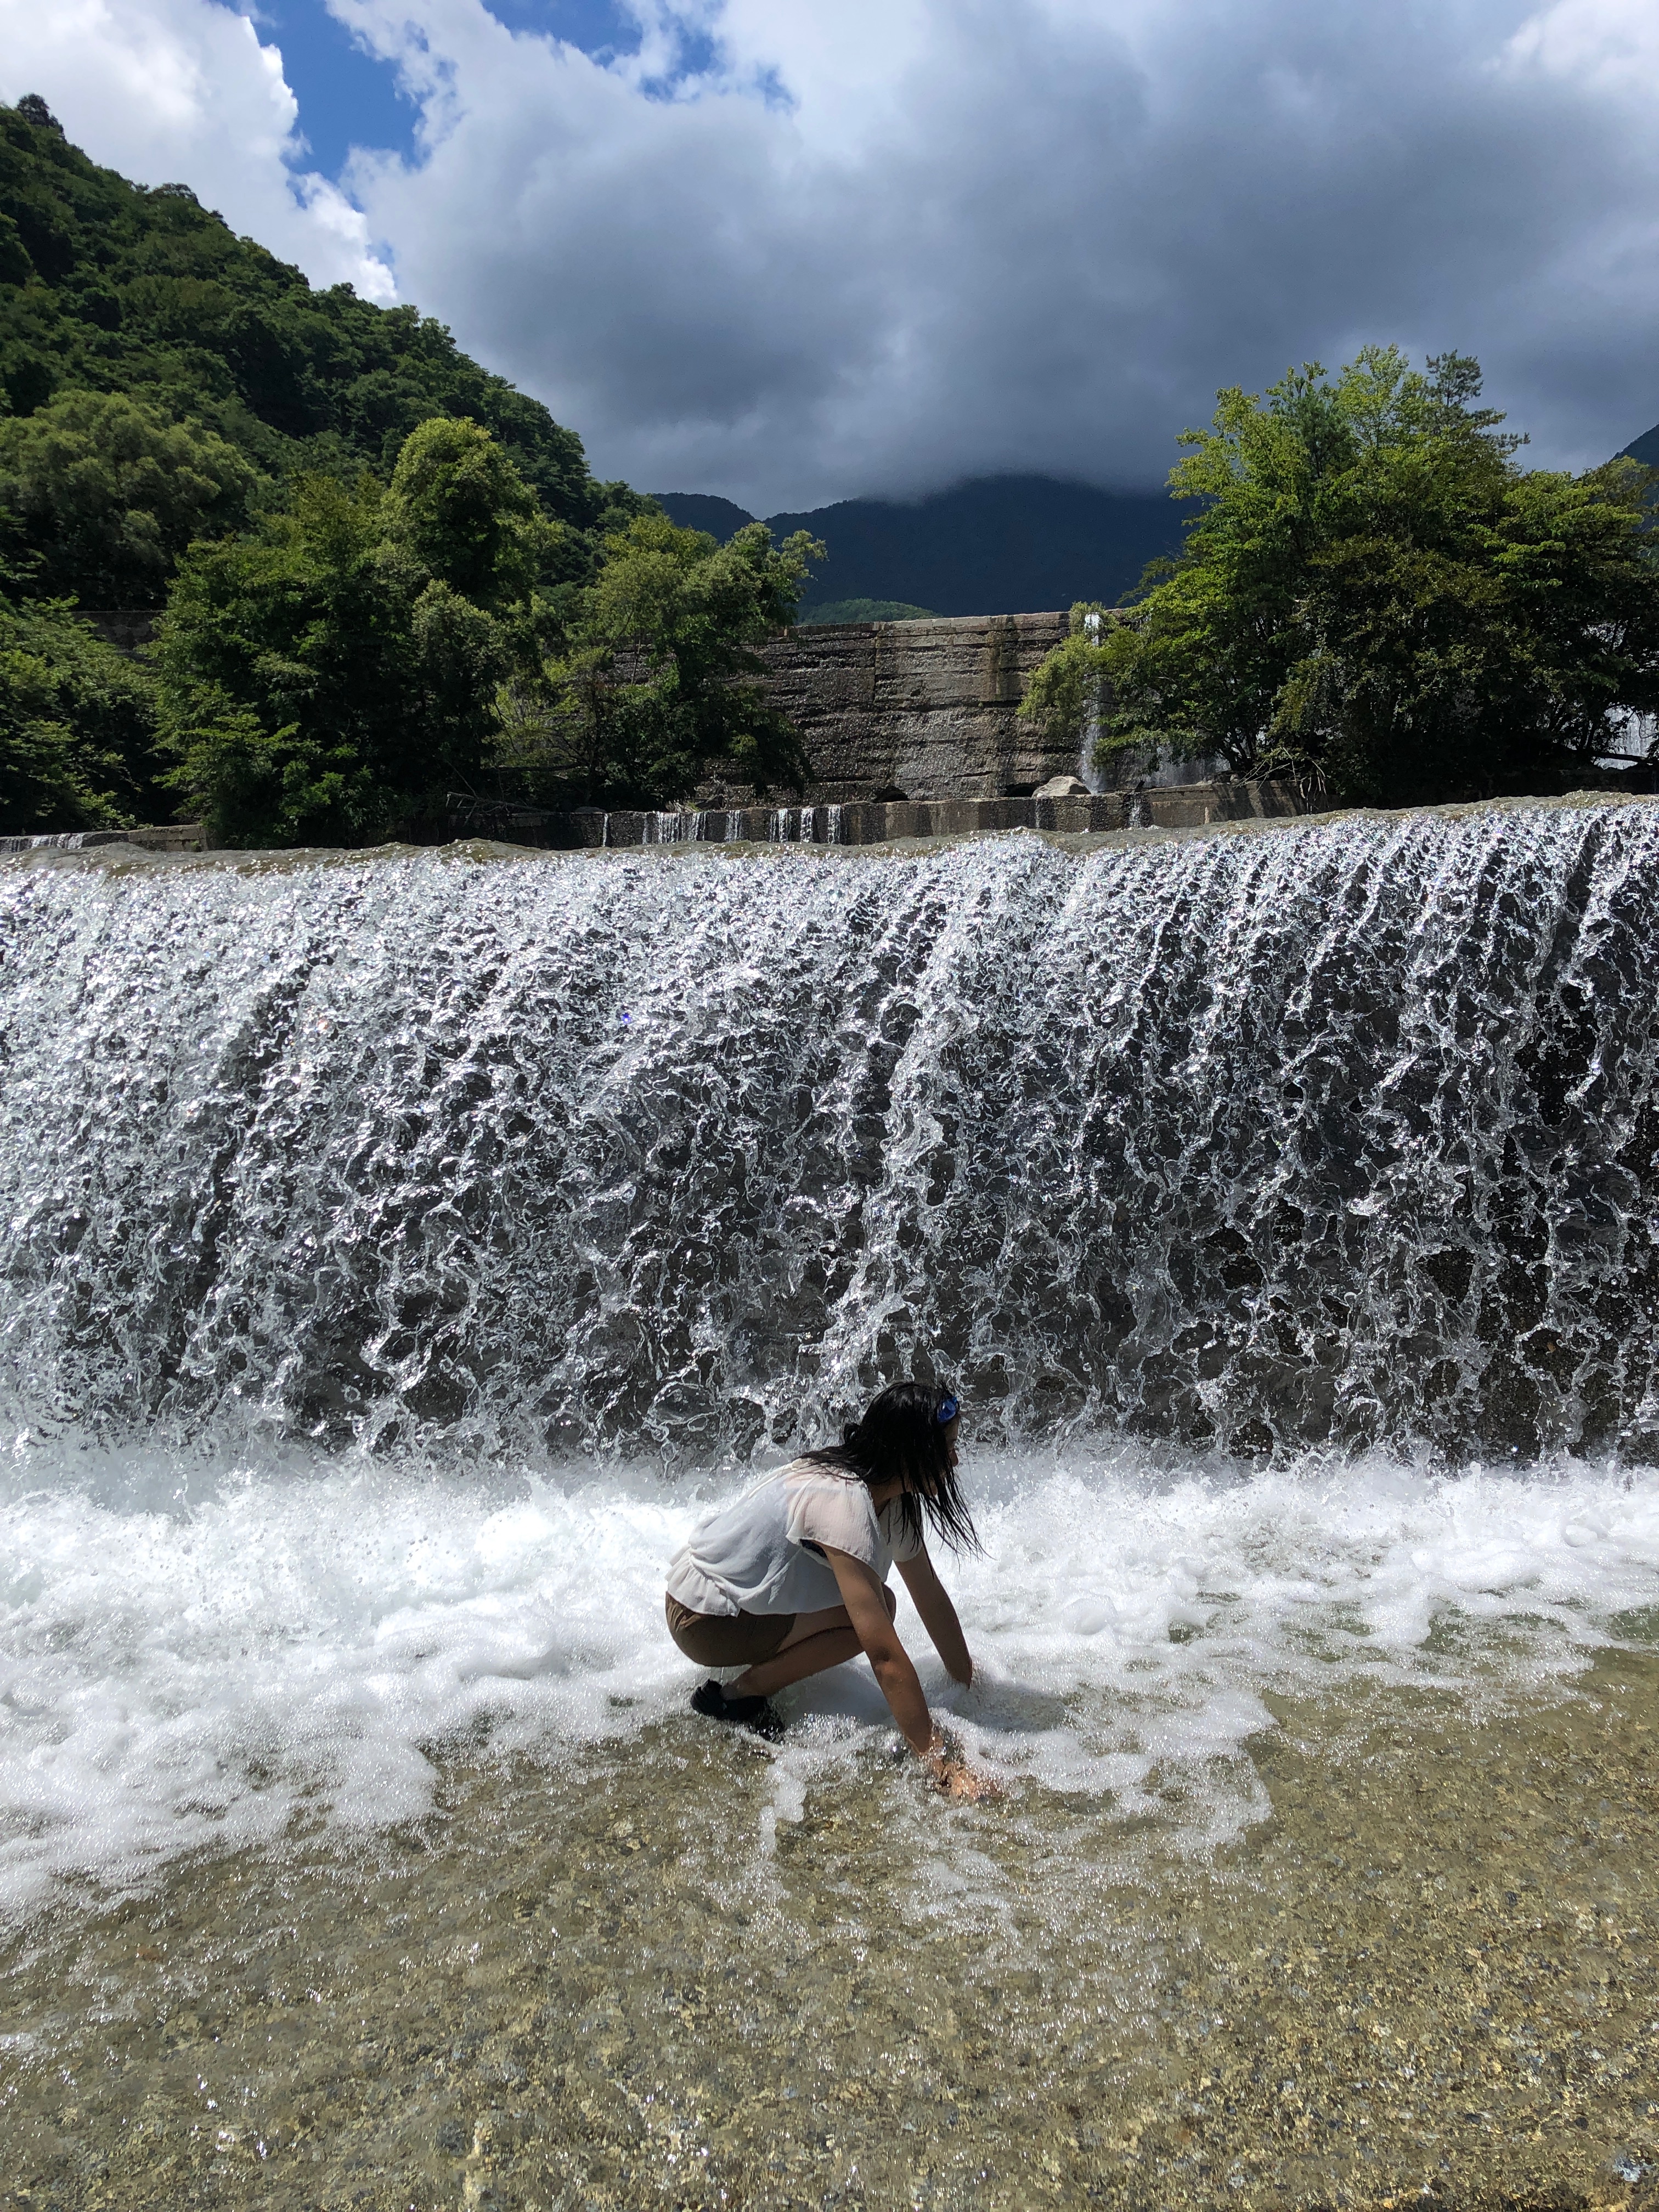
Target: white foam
181 1671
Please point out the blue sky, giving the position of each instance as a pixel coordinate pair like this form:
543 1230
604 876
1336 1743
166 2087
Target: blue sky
348 98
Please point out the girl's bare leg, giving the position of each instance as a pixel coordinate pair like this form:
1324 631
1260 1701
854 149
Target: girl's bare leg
817 1641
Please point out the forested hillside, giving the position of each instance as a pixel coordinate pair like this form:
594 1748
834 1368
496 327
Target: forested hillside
108 286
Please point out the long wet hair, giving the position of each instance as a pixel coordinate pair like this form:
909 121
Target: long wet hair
902 1433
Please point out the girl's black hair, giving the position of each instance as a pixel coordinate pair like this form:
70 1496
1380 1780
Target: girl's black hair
902 1433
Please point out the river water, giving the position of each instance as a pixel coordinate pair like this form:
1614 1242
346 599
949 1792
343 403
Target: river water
403 1249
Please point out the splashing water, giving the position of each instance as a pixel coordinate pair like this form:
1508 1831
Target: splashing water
385 1233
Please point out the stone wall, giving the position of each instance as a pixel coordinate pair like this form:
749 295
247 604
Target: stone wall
923 711
926 708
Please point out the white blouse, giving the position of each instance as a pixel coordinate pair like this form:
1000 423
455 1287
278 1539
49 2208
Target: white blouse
755 1556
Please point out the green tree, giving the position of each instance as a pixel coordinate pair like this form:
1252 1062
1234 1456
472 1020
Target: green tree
78 725
459 507
658 679
330 678
106 492
1375 595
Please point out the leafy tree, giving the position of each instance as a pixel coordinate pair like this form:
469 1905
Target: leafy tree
330 678
77 723
1375 595
106 493
459 507
658 676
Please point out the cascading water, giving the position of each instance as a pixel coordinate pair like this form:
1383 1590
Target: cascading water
678 826
381 1230
1337 1135
63 841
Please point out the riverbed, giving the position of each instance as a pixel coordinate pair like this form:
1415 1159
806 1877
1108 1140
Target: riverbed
692 1972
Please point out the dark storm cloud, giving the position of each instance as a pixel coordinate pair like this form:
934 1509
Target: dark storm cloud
1033 237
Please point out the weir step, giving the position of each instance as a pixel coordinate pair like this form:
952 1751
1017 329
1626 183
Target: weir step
880 822
867 821
154 837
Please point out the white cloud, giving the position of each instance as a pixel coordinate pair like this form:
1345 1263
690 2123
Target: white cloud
873 247
182 91
1611 46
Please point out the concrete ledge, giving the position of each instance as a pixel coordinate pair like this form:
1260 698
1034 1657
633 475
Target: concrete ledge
861 822
156 837
875 822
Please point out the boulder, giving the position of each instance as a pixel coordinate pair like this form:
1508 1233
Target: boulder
1063 787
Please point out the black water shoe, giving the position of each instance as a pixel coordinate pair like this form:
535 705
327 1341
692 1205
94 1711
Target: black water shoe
755 1714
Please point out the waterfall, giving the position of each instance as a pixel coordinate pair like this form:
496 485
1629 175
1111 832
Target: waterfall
63 841
1337 1135
1087 766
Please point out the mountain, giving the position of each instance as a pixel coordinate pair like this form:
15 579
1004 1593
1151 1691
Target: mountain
1010 545
867 610
1646 448
703 510
107 286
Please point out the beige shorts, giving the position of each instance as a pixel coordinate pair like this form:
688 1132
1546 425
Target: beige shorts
726 1639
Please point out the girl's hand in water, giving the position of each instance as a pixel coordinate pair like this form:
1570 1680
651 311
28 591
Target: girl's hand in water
950 1773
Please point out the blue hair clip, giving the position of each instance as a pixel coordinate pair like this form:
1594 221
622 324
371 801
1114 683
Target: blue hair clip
947 1412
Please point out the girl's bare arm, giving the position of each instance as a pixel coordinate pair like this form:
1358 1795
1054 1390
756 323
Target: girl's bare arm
866 1609
939 1616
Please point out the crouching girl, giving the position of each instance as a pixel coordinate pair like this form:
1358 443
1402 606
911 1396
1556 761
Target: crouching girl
793 1578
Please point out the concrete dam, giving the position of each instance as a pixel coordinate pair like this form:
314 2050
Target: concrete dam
913 730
